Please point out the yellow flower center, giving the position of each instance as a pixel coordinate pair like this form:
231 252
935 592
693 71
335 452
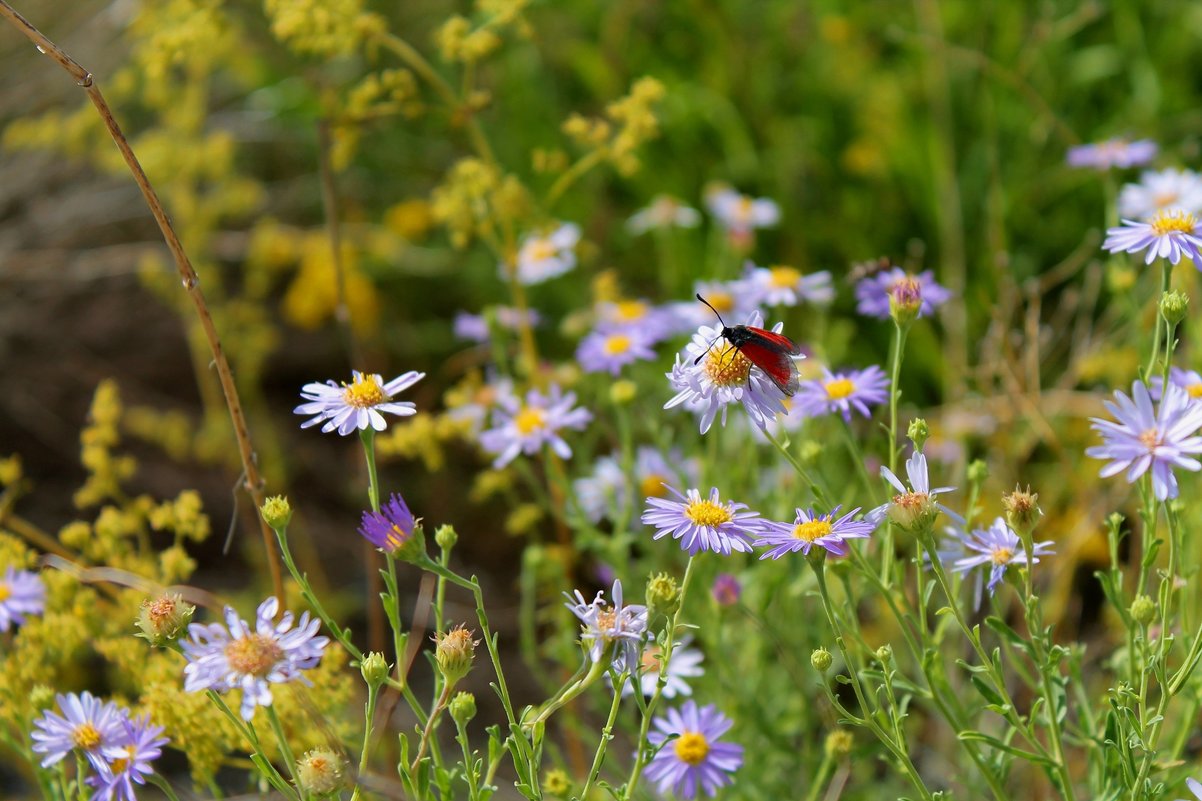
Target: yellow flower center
691 748
616 344
812 530
396 537
1194 390
1150 439
629 311
743 209
652 486
119 765
364 393
785 277
1167 222
6 591
839 388
540 250
85 736
726 366
607 618
253 654
1002 556
911 501
529 420
707 513
722 301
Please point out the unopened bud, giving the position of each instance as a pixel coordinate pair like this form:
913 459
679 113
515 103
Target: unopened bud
463 708
663 594
1174 306
454 653
374 668
977 471
838 744
821 659
445 537
163 619
1143 609
883 654
277 512
320 772
905 300
918 432
1022 509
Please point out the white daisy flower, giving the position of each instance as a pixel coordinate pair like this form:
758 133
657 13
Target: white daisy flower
355 406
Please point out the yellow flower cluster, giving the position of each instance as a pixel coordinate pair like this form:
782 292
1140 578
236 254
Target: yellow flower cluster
379 94
475 198
459 40
319 27
629 122
421 437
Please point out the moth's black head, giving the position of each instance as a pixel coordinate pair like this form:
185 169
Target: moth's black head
737 336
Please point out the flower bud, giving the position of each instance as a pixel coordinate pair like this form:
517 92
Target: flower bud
883 654
1022 509
977 471
663 594
914 512
1174 306
905 300
162 620
463 708
838 744
622 392
320 772
277 512
918 432
1143 609
374 669
454 653
821 659
557 783
445 537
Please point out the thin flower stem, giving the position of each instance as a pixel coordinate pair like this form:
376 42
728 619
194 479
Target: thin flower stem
435 713
606 734
260 759
368 437
821 777
471 777
895 363
1166 276
369 715
573 174
311 599
253 481
819 495
81 767
277 727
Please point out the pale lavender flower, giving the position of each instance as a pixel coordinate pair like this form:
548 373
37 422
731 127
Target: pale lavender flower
809 530
726 589
624 627
525 427
873 293
740 214
695 761
21 593
1195 787
911 508
787 286
1189 380
685 664
652 323
358 405
1159 191
703 524
1146 438
996 547
1117 152
129 762
1169 234
391 527
732 299
608 351
605 488
235 656
665 211
722 376
842 392
474 327
545 256
474 406
86 723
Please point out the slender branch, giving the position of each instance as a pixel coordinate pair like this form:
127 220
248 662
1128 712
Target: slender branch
253 481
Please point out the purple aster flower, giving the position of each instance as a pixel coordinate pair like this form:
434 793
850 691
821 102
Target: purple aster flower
914 508
664 212
391 527
545 256
726 589
86 723
472 403
21 593
355 406
809 530
623 627
1189 380
703 524
1144 437
787 286
741 214
873 293
722 376
235 656
525 428
652 323
129 762
1116 152
695 760
1161 191
1168 235
608 351
1195 787
472 327
842 392
997 547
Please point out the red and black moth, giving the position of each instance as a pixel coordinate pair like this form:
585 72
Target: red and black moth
771 352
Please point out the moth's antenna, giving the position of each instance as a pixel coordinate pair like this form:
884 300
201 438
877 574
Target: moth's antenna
707 350
715 311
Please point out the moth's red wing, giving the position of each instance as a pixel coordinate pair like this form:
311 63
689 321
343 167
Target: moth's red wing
771 340
776 363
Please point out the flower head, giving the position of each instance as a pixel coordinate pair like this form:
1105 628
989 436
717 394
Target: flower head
876 293
995 548
1168 234
525 427
711 374
474 327
545 256
608 351
695 760
842 392
603 625
1159 191
86 723
809 530
391 528
236 656
355 406
665 211
1146 438
781 285
129 761
685 664
651 323
605 489
21 593
911 509
1189 380
1117 152
703 524
726 589
734 300
1195 787
741 214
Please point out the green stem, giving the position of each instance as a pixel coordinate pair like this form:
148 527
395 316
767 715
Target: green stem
1166 275
572 174
606 734
368 437
895 363
369 715
302 581
277 726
